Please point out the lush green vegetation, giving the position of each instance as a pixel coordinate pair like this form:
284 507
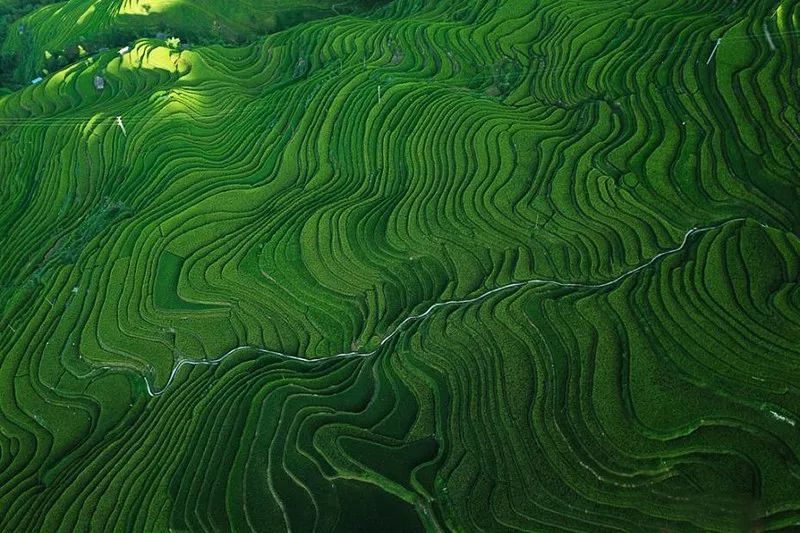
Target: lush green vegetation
413 264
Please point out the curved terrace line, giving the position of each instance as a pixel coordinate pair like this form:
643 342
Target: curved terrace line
465 301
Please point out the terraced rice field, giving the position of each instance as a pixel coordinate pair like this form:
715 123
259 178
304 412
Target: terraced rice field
401 265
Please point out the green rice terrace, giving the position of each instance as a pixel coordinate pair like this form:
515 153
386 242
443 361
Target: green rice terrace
399 265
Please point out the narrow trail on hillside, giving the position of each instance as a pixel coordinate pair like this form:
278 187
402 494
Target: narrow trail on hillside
516 285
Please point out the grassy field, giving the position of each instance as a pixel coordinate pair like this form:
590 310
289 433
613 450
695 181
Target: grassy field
399 265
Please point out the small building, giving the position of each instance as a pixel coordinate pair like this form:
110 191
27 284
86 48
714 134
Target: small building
99 83
125 50
36 81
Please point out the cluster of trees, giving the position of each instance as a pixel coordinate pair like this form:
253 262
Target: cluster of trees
10 12
59 59
17 68
12 76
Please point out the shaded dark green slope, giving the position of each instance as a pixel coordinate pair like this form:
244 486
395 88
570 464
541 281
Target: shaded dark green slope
226 309
533 407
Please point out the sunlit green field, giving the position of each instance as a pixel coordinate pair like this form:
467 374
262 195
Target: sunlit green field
399 265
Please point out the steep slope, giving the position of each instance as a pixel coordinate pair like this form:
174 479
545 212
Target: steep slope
484 265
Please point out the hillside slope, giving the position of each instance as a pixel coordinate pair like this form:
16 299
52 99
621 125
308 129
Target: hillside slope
60 33
481 265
